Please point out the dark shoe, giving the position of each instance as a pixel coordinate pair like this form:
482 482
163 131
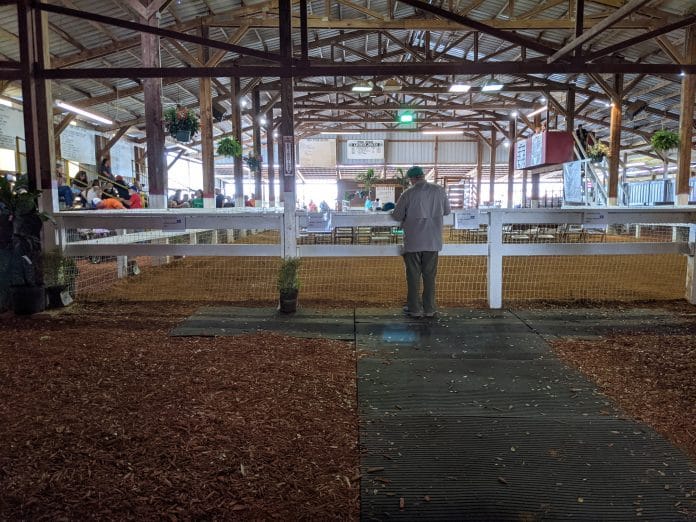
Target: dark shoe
415 315
430 315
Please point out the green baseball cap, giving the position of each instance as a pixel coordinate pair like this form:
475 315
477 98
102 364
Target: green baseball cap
415 172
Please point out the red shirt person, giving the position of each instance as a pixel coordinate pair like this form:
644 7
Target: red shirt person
135 200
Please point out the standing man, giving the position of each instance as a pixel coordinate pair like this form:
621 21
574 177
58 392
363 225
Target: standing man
420 210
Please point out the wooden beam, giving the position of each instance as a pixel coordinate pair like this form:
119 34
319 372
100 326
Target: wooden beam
107 146
364 10
686 123
620 13
206 112
615 141
668 28
670 50
479 26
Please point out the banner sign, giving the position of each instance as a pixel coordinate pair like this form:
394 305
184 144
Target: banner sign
121 155
318 153
11 127
77 144
572 182
365 149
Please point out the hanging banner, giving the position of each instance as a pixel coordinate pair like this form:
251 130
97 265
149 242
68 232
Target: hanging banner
365 149
77 144
288 156
572 182
121 155
11 127
318 153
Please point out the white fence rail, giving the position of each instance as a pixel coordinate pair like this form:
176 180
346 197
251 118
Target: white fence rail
153 233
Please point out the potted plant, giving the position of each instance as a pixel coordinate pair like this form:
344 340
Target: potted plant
663 141
253 163
21 270
597 152
181 123
229 147
60 273
368 179
402 179
288 284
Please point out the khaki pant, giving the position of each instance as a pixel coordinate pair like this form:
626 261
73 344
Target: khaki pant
421 264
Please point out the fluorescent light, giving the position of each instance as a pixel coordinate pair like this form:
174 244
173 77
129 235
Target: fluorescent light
362 87
339 133
459 87
83 112
638 164
442 131
538 111
491 85
6 103
514 114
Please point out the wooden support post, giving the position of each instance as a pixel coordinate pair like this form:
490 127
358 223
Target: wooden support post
691 267
570 110
236 122
686 118
511 163
37 103
206 107
270 157
152 93
256 126
524 189
287 133
615 141
491 186
479 170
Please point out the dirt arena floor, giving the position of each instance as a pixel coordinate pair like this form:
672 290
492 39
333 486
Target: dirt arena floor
104 416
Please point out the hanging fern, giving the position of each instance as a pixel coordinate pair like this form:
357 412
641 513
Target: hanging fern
664 140
181 119
367 178
229 147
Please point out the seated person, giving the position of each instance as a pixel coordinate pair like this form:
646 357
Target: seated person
219 198
108 204
94 192
176 200
64 192
133 200
108 191
121 187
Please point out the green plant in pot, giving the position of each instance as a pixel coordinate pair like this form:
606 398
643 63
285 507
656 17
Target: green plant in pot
288 284
229 147
368 179
402 179
60 273
597 152
21 264
253 162
181 123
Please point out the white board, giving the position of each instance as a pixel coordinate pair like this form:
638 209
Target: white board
77 144
11 127
121 155
365 149
572 182
318 153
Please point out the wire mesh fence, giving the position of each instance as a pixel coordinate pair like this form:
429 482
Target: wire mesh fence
576 262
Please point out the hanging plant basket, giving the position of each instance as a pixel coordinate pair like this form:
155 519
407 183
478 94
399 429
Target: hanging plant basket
229 147
181 123
253 163
597 152
664 140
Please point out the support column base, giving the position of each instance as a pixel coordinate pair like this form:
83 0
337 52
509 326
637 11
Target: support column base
682 199
613 202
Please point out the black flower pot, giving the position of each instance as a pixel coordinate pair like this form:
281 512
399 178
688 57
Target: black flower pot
183 135
288 302
27 300
58 296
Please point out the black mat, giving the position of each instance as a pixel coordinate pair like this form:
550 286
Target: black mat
471 417
228 320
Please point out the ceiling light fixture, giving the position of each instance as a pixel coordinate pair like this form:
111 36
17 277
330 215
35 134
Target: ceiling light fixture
460 87
432 132
83 112
491 85
538 111
361 86
514 114
391 85
339 133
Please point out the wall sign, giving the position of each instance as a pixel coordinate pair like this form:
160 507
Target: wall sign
11 127
365 149
572 182
121 155
318 153
77 144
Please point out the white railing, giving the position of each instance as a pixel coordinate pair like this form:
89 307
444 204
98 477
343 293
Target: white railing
158 227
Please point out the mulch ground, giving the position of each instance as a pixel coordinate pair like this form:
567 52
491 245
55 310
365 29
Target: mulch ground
102 415
652 377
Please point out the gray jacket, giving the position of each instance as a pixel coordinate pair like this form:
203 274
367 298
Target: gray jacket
420 210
